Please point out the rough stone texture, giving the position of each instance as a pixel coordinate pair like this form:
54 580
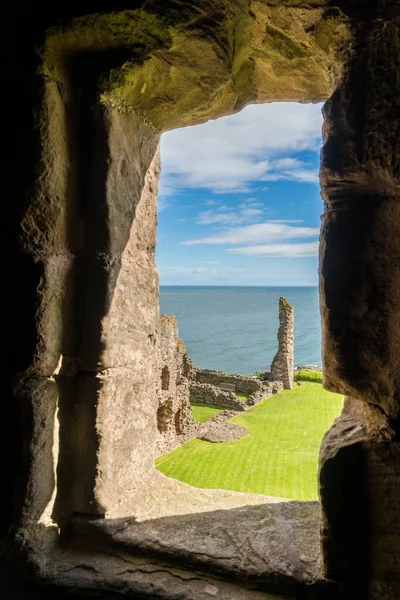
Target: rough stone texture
282 535
161 496
243 384
359 486
360 308
90 94
360 298
112 369
277 386
97 313
218 429
207 390
205 393
283 363
175 424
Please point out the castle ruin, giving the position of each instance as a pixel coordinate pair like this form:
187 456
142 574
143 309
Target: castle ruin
90 87
283 363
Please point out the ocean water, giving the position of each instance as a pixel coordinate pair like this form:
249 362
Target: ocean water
234 329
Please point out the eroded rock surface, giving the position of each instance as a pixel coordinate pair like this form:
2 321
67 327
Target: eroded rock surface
175 424
218 429
95 91
283 363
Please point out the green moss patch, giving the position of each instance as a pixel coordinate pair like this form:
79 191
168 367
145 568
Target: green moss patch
283 44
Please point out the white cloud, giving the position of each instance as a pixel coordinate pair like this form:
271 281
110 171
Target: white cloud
166 186
259 233
279 250
232 152
208 217
285 221
252 203
244 215
251 212
162 204
300 175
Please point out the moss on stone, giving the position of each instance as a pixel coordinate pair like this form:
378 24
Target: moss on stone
181 346
278 41
137 34
176 68
326 32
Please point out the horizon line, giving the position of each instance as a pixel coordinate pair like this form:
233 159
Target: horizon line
215 285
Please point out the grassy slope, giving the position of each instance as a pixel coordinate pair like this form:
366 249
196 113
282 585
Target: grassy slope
278 458
202 413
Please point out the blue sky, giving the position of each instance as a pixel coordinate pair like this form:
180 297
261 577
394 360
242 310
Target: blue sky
239 199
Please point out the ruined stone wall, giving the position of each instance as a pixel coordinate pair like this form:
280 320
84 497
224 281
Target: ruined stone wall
175 424
204 393
283 363
246 385
84 284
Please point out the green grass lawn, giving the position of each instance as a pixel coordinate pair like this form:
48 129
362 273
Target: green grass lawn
242 397
201 412
308 376
278 458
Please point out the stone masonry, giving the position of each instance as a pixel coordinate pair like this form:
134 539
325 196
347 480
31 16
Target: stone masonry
175 425
212 395
283 363
93 87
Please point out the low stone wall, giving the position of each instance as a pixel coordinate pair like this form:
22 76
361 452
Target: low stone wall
218 429
205 393
246 385
258 396
277 386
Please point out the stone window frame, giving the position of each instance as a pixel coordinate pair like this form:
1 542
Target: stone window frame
44 381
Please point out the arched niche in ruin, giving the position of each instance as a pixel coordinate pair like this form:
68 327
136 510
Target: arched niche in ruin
106 86
165 416
165 378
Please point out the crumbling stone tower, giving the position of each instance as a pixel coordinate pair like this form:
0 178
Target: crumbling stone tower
283 363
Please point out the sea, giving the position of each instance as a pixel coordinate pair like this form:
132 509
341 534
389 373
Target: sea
234 329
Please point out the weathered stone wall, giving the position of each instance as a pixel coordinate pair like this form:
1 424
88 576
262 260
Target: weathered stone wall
283 363
94 92
360 308
175 424
246 385
205 393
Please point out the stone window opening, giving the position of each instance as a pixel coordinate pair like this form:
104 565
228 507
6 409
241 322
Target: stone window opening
164 416
84 260
281 374
165 378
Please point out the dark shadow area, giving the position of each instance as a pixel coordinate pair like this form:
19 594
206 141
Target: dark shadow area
90 286
165 377
350 235
25 28
345 497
